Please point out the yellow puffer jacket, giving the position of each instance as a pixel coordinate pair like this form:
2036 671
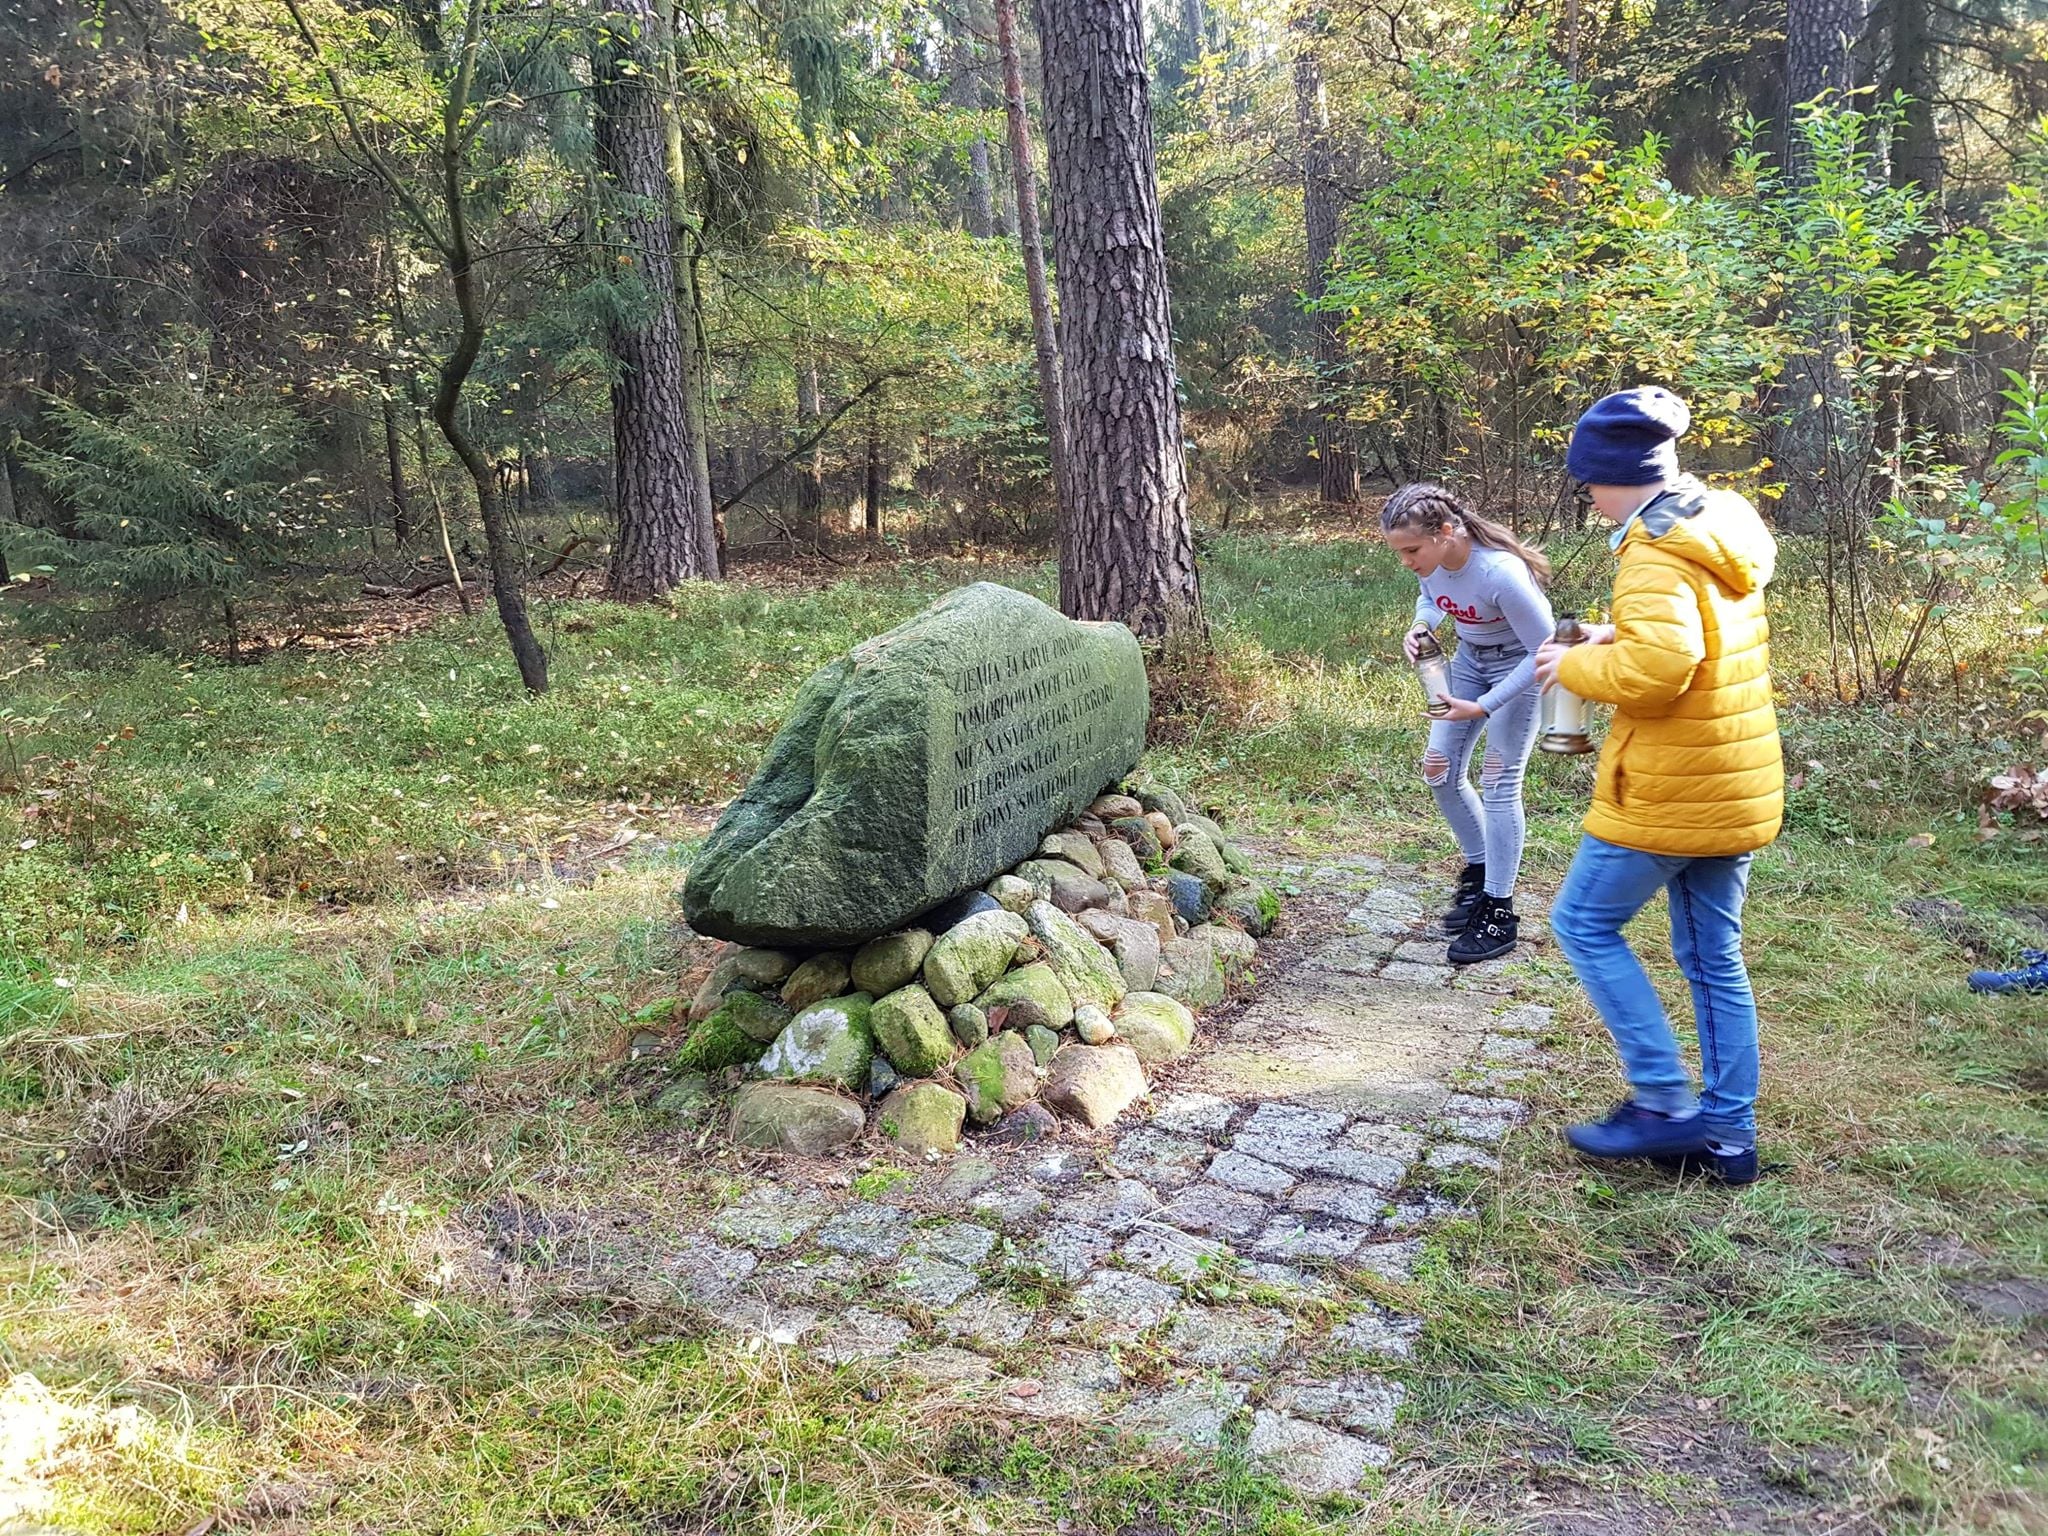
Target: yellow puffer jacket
1692 763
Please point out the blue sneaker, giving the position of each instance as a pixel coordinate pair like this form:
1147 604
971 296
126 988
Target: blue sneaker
1729 1165
2032 976
1632 1131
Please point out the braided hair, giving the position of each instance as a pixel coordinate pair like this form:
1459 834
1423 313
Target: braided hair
1426 507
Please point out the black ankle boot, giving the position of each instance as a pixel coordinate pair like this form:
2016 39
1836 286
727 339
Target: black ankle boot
1492 932
1471 887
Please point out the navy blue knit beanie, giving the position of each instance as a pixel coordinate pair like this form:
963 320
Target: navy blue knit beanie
1630 438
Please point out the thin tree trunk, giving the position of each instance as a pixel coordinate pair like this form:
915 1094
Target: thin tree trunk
8 515
1336 454
394 458
498 541
1127 553
810 474
660 515
872 501
1030 237
685 248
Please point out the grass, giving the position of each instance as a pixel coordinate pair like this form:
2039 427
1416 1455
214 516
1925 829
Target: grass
378 935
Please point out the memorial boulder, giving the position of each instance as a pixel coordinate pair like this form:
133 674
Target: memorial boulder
925 762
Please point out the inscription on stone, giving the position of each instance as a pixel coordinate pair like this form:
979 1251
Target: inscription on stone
929 760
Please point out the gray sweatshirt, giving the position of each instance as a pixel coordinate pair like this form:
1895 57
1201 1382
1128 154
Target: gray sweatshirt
1496 601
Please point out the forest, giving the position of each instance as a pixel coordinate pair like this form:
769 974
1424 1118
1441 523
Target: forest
438 440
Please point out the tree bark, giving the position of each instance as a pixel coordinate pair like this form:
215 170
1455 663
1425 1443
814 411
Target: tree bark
394 457
1025 180
1820 47
872 502
1336 453
663 504
1127 552
684 248
8 517
968 94
506 582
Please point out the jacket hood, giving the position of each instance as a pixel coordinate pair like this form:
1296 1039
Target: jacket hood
1715 529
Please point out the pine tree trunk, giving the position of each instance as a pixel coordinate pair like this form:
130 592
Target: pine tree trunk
981 203
661 502
1820 43
810 470
1914 72
394 458
1336 453
1820 46
1025 180
1127 553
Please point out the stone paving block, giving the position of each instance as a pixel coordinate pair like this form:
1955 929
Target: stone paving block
1238 1171
948 1365
1424 952
1526 1019
1360 1203
1390 1261
1115 1304
1215 1211
1416 1211
1378 1169
1291 1237
1239 1342
1395 1141
705 1270
990 1320
1057 1166
1510 1047
1069 1250
858 1334
1190 1418
1450 1154
1192 1114
1416 974
1355 1402
1013 1207
1359 954
934 1282
1114 1205
1169 1254
1375 1330
1068 1384
1476 1104
767 1217
753 1316
1291 1122
1310 1459
819 1277
866 1231
957 1242
1163 1160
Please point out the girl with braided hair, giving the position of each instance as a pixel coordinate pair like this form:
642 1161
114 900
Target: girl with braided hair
1491 583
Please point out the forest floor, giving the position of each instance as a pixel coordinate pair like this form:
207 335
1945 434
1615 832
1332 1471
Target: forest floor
332 997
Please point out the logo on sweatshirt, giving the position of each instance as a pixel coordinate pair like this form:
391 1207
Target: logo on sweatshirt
1470 615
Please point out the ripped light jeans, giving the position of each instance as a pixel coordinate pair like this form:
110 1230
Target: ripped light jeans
1488 823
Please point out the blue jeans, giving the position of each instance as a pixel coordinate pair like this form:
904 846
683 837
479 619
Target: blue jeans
1607 886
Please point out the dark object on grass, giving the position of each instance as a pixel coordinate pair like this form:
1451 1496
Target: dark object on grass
2030 976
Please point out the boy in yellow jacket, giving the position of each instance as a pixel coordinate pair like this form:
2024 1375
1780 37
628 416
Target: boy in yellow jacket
1691 783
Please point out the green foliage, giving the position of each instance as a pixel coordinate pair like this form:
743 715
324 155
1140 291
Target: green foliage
172 488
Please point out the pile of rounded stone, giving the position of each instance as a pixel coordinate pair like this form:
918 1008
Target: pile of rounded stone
1051 989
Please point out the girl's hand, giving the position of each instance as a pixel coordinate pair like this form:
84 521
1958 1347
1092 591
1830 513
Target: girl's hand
1548 655
1599 634
1411 640
1459 709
